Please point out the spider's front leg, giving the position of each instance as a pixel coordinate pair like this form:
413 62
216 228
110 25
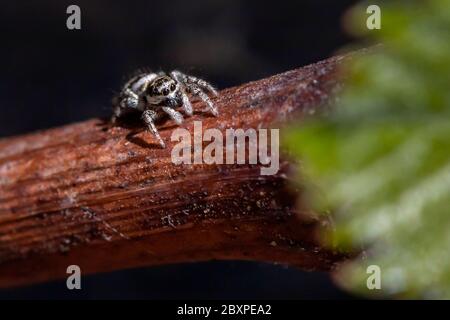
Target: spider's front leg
174 115
187 106
149 117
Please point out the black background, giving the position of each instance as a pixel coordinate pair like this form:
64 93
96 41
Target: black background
51 76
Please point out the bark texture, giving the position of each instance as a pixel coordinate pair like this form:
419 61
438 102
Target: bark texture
108 197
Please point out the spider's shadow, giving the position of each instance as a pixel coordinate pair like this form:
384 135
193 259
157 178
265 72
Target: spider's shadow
134 123
131 137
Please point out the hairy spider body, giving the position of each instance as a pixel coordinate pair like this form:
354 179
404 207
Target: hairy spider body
157 94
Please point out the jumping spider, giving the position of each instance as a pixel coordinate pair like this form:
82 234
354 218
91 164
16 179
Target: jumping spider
156 94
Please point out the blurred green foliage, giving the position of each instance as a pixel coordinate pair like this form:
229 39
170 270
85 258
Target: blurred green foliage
381 160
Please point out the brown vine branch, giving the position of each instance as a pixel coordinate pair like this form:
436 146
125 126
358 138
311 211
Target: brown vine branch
108 198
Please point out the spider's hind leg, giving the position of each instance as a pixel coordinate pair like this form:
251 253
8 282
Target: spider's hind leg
191 80
199 92
116 114
196 86
203 84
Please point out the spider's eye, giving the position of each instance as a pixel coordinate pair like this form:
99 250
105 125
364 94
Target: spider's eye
155 91
173 87
165 91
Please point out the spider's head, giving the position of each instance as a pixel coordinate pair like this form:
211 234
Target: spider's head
164 90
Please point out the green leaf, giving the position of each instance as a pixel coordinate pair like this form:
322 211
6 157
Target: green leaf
381 160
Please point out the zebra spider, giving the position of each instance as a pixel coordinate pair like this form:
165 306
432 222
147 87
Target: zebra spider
156 94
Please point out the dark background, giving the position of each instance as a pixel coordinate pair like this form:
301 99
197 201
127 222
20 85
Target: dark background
51 76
